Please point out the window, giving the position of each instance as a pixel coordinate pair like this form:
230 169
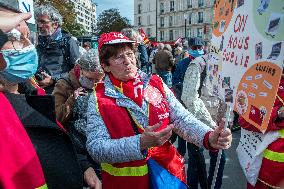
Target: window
200 17
172 6
148 31
189 3
161 35
162 24
176 32
162 8
139 21
171 34
189 18
170 21
200 3
200 32
139 9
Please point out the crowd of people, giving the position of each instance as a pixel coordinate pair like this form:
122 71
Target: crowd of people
101 118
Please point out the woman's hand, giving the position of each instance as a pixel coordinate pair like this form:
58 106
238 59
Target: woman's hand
152 138
91 179
79 92
220 138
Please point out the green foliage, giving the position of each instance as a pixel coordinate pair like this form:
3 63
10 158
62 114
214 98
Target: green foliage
111 20
66 9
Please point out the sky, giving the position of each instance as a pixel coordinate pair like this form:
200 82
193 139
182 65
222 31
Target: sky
125 7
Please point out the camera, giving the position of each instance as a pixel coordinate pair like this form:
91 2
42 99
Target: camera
39 76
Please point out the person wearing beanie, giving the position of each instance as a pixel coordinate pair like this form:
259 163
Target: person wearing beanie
79 81
71 95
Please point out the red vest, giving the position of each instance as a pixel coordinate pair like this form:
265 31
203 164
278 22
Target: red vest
135 174
272 168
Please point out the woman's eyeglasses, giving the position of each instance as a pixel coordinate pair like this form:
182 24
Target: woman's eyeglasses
119 59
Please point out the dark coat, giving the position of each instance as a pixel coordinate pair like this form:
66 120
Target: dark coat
57 54
53 146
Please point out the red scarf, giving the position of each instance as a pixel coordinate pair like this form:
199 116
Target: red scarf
132 89
19 165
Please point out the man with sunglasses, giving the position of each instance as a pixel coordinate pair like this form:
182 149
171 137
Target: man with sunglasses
57 50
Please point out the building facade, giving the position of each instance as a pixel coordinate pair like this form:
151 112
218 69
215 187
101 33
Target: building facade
167 20
85 14
145 16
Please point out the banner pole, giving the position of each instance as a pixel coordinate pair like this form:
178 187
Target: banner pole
228 112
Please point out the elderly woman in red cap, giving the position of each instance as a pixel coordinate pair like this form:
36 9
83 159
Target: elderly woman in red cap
131 116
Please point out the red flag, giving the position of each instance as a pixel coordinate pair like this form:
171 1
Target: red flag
19 165
145 38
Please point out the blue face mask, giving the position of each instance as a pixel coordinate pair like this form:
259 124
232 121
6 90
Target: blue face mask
21 64
196 53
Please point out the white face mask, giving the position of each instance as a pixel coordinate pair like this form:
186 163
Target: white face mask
86 83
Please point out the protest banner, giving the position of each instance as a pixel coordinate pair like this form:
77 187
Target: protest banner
246 59
246 56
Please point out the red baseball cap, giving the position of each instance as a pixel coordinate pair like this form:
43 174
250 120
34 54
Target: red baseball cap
112 38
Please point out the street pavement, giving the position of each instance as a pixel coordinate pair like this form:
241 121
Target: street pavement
233 177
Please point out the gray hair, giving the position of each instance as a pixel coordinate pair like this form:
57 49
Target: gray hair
160 46
168 47
50 11
89 61
132 34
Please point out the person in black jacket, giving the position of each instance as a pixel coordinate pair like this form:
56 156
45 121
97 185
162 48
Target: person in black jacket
53 147
58 51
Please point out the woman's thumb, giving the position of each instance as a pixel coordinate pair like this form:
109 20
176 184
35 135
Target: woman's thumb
219 129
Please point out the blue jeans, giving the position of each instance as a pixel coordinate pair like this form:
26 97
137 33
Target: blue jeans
166 77
213 159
